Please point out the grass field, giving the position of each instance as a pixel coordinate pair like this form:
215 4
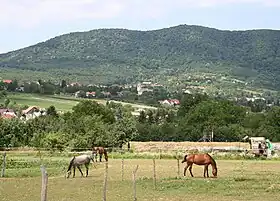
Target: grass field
62 103
237 180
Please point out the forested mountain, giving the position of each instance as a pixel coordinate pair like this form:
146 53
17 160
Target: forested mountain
113 55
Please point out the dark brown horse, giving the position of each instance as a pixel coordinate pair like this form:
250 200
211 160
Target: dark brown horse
100 151
200 159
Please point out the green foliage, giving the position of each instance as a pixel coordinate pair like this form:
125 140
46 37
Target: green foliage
52 111
123 56
113 125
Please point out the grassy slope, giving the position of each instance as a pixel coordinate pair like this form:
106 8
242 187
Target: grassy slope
63 103
237 180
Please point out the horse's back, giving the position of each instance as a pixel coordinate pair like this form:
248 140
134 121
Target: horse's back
200 159
82 159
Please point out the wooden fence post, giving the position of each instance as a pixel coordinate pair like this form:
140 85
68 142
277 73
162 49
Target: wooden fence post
105 181
178 166
154 170
44 183
122 169
3 165
134 183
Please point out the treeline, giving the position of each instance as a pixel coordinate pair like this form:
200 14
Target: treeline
112 125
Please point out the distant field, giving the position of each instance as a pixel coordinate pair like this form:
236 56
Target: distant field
172 146
63 103
237 181
43 101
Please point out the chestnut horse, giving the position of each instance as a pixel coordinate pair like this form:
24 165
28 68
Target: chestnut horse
100 151
200 159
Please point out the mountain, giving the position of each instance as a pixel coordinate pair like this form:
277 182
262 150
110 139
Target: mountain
121 55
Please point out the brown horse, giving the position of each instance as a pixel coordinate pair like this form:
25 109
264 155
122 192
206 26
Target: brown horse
200 159
100 151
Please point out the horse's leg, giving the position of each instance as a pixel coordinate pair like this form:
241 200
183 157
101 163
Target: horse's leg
100 157
190 169
106 157
205 167
185 169
207 170
74 171
86 169
80 170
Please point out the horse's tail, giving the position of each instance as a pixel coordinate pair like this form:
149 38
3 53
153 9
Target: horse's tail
185 158
71 163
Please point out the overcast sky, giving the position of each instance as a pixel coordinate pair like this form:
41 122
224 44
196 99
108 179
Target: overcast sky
27 22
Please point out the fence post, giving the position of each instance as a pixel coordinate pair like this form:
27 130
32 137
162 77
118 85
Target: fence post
3 165
44 183
154 170
178 166
122 168
105 181
134 183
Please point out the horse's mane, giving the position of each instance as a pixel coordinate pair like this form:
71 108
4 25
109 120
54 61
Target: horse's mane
71 163
213 162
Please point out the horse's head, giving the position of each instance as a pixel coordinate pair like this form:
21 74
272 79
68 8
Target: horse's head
215 172
94 153
68 173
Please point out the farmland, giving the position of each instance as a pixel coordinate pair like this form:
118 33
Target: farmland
237 180
62 103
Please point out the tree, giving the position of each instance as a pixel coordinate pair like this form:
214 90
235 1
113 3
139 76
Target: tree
51 111
6 102
189 101
142 117
63 84
88 107
12 86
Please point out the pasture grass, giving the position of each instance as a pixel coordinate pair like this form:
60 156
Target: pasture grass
237 180
43 101
61 102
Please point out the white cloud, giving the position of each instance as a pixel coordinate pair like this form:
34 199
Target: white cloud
30 13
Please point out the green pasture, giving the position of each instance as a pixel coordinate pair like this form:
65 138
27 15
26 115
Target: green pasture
62 103
237 180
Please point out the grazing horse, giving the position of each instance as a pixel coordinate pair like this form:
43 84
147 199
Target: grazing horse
100 151
200 159
77 161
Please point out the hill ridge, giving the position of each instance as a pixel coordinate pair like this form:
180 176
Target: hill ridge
116 54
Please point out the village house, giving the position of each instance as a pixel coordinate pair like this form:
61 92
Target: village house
171 102
32 112
7 113
90 94
7 81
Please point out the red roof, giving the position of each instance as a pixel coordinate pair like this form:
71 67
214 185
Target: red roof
8 116
7 81
175 101
93 93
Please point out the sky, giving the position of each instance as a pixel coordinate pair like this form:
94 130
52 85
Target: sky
27 22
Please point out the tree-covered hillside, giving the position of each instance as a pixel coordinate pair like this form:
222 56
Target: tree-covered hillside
112 55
